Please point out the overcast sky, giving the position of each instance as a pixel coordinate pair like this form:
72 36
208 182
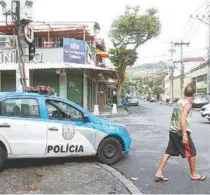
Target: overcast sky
173 15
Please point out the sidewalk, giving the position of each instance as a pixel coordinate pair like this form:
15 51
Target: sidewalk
68 178
107 112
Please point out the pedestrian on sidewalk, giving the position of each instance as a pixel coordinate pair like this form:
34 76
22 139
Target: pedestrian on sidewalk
125 103
167 99
114 97
180 141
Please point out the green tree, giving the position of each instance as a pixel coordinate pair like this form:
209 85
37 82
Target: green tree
158 90
154 84
126 84
121 58
192 84
127 33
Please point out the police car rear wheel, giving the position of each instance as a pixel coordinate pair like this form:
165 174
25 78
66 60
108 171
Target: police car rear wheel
110 151
2 157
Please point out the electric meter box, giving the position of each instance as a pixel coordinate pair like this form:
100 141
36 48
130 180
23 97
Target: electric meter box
26 10
6 7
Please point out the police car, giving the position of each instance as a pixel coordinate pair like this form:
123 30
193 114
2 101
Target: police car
37 124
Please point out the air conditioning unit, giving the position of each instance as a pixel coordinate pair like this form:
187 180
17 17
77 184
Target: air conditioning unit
26 10
6 8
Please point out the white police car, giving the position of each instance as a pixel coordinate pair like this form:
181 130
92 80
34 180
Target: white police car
34 125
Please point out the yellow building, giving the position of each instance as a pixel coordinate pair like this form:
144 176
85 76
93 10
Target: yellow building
199 74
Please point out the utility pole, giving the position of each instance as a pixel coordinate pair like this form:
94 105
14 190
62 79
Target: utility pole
171 67
181 44
20 12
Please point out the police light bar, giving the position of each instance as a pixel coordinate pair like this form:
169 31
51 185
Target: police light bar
44 90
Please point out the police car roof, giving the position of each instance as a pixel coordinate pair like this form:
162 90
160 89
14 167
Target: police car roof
12 94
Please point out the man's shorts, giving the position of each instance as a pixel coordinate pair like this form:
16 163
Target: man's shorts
176 147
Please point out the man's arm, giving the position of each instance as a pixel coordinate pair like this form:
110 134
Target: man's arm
185 111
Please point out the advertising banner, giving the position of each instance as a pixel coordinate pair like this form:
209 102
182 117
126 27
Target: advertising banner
74 51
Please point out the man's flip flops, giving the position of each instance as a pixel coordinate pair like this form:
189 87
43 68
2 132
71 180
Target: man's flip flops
201 178
158 179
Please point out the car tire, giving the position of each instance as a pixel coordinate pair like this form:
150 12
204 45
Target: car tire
109 151
2 157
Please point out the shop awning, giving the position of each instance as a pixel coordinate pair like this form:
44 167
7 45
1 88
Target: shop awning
102 54
62 65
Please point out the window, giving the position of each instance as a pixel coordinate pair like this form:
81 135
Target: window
20 108
43 42
61 111
2 42
202 78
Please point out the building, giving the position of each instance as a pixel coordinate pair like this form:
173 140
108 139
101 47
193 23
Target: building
68 58
195 69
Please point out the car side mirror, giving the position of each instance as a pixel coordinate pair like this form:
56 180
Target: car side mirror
86 118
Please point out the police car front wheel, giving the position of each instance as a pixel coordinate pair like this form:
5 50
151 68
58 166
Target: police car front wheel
2 157
110 151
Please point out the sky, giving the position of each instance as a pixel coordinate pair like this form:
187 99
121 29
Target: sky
174 15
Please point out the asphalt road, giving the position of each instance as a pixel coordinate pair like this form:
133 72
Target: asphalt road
148 125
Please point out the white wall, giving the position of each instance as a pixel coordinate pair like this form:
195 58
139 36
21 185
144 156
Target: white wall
85 91
63 86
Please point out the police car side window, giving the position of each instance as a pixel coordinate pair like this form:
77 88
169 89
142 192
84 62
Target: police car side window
62 111
20 107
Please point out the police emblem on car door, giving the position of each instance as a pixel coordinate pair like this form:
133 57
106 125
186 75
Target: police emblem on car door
68 131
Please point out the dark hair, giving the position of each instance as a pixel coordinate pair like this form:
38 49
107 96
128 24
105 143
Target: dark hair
189 91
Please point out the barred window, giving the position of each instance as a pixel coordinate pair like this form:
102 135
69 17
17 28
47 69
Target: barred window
202 78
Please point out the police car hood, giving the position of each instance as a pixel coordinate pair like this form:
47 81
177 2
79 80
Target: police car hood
98 120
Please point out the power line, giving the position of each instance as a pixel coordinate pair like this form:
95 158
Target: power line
202 5
197 11
189 30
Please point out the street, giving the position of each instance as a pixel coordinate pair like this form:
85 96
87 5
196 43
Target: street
149 125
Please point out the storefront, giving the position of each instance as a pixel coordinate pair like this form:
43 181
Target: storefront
75 87
45 77
101 94
8 80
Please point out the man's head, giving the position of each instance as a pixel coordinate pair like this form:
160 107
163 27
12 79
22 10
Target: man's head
189 92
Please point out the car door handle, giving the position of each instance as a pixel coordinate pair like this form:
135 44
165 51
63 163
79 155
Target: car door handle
53 129
5 125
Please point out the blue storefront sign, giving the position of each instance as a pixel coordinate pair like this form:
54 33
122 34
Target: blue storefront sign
74 51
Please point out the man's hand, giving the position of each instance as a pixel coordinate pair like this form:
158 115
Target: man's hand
185 138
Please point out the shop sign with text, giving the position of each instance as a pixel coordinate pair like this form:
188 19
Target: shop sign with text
74 51
10 56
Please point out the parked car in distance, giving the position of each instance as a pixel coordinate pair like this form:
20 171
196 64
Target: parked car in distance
205 111
200 100
152 99
133 101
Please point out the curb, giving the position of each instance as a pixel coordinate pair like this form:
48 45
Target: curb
113 115
127 183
